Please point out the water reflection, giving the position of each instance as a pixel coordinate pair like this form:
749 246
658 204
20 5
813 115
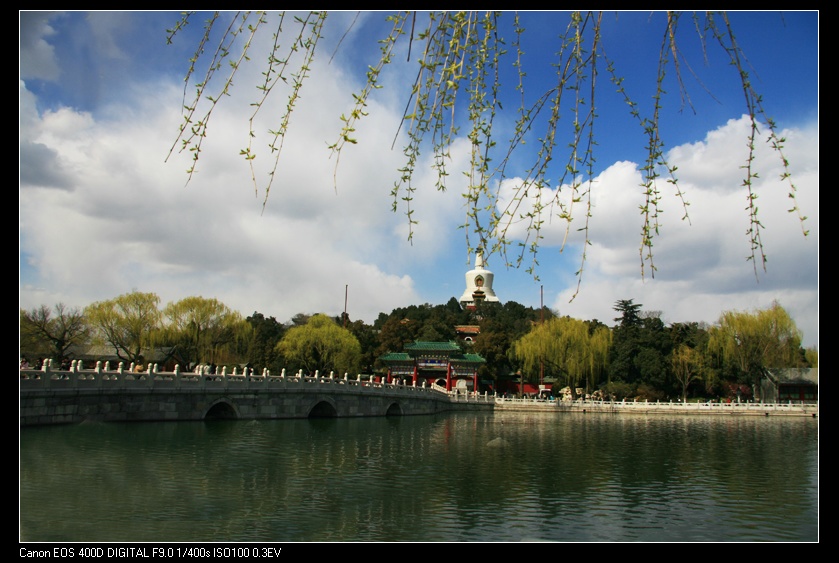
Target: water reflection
455 477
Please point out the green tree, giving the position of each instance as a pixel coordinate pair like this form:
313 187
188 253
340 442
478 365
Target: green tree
626 342
54 331
467 62
492 344
565 346
260 343
640 350
600 337
130 323
321 345
200 328
511 317
630 313
687 367
369 341
694 335
501 324
454 309
436 330
653 360
395 332
812 356
756 340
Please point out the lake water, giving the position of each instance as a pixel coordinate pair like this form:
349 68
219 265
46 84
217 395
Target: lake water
457 477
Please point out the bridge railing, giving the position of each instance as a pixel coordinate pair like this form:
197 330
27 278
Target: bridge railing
461 396
102 377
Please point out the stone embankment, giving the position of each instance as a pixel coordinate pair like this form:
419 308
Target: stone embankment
657 407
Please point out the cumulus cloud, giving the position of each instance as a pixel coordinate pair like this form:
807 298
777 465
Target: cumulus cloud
703 266
133 221
104 212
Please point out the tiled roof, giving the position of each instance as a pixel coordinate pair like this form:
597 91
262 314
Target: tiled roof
467 359
794 375
418 347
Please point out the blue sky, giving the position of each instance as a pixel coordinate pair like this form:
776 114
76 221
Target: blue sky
102 212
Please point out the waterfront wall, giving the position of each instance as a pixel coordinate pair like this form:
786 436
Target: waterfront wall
790 408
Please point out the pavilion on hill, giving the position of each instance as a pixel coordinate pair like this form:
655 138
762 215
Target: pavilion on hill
442 363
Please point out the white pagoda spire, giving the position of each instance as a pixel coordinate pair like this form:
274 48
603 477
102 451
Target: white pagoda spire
478 284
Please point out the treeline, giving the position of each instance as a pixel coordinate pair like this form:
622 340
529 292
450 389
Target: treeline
639 356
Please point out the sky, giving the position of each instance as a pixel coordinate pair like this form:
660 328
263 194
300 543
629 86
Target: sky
105 209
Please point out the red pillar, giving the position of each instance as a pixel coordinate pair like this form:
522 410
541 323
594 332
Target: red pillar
416 374
475 385
449 377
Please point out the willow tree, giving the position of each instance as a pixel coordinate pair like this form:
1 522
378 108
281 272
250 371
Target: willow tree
200 328
756 340
564 346
129 323
321 345
466 63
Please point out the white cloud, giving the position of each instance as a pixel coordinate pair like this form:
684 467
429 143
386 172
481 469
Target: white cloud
702 267
132 223
126 220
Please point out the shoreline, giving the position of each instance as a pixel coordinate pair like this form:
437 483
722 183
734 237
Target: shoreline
809 410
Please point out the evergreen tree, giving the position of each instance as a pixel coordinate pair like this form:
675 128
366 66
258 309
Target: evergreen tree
261 349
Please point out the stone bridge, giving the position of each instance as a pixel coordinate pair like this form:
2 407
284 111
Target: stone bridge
50 396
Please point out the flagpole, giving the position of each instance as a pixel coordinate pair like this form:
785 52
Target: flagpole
346 292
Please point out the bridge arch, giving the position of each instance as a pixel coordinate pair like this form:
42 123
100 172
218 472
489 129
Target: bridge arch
222 409
394 409
324 408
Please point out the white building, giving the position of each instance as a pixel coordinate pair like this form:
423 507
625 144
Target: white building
478 284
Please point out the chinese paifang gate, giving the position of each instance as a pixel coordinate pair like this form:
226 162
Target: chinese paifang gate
442 363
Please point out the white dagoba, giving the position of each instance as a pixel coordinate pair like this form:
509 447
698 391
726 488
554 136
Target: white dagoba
478 284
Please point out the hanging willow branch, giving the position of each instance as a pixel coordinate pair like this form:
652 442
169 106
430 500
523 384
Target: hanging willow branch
456 94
